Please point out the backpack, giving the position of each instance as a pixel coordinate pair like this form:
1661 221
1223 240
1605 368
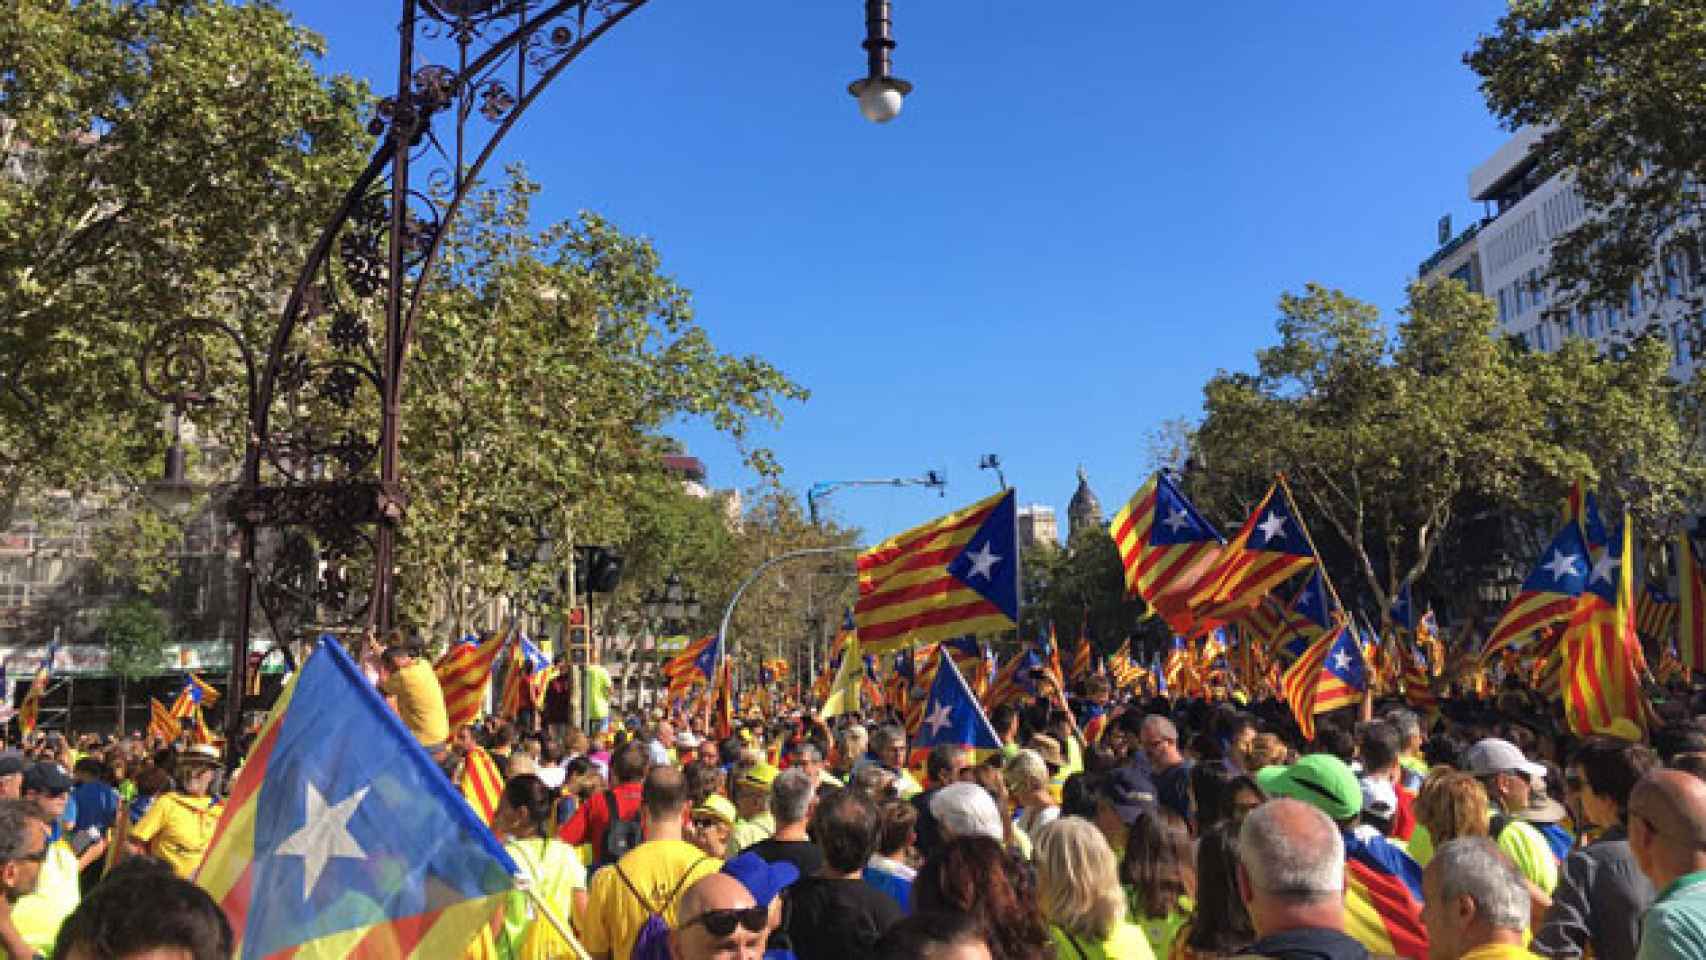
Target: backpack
620 836
652 942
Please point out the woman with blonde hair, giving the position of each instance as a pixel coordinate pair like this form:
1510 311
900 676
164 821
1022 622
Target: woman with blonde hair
1451 805
1078 886
1028 784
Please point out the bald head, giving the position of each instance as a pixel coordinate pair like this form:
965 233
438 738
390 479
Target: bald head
1667 825
705 931
714 891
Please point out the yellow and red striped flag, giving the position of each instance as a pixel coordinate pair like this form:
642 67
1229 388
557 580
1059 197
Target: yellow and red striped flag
1166 548
481 783
161 723
1331 674
464 672
200 735
1271 548
29 713
1602 658
195 694
1691 622
951 577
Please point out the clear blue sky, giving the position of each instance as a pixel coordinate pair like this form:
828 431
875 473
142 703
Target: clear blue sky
1085 210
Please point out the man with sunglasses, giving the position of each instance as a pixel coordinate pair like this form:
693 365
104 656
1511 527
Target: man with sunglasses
718 920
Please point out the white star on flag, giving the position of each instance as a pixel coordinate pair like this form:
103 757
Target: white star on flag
1342 660
1561 565
939 718
1176 521
323 836
1604 567
1272 527
982 562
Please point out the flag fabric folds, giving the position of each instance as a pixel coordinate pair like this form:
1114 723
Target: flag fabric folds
1655 614
1271 547
1602 686
849 682
952 716
1691 618
1332 673
951 577
464 672
1383 903
1166 548
196 693
1548 596
342 838
161 723
481 783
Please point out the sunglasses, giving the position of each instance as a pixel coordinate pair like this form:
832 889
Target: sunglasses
721 923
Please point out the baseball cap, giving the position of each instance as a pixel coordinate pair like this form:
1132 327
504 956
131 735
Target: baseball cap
200 753
1493 755
11 761
1128 791
760 775
761 878
717 805
686 740
46 778
1319 779
1048 748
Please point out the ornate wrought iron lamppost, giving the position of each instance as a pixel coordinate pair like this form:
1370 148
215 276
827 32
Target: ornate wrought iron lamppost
322 456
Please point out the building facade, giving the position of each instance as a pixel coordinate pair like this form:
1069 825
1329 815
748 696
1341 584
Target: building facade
1506 254
1038 525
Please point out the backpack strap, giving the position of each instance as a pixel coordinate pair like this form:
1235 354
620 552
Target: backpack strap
1077 947
679 884
644 904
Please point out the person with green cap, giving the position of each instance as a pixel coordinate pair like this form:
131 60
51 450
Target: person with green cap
1383 895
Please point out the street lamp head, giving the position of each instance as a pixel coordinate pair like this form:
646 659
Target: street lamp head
880 98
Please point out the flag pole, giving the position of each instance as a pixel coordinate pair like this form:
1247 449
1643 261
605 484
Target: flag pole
1326 578
551 916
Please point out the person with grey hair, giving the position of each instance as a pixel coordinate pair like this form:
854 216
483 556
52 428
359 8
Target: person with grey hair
1168 768
851 742
1477 902
1291 877
792 798
888 750
966 810
809 758
1409 727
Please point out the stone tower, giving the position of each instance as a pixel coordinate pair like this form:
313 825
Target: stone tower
1085 510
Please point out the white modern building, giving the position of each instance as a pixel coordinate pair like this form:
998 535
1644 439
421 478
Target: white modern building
1505 254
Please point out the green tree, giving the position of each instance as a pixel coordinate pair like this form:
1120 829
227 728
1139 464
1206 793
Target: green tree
158 161
547 365
135 634
1619 87
1442 436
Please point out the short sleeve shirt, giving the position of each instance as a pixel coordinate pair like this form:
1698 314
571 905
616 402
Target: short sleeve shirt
177 829
661 870
420 702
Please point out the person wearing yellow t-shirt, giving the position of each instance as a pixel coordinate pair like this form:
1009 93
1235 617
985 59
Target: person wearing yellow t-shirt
179 825
650 878
412 689
38 916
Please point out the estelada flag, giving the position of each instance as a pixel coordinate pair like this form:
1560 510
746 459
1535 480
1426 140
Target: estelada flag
161 723
952 716
342 838
951 577
1691 622
1271 547
1602 654
1166 548
464 672
1332 673
1548 596
196 693
481 783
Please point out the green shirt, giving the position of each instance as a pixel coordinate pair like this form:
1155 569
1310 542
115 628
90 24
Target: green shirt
1124 942
597 692
1675 925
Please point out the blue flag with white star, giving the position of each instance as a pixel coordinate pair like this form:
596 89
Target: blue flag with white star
952 715
342 837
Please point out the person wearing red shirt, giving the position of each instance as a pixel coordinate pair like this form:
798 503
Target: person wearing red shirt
591 822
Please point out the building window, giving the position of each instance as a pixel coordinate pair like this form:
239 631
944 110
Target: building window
1590 320
1504 306
1536 291
1634 299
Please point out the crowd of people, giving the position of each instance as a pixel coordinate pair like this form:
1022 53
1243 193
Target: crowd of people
1183 830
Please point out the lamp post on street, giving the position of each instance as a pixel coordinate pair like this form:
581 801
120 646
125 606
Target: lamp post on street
668 611
325 396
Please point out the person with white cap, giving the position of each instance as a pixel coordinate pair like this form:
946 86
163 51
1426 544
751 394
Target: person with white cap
1506 776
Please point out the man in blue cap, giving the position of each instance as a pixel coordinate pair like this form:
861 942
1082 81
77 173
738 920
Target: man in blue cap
766 880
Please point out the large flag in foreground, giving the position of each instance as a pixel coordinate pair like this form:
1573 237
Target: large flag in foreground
1548 596
951 577
1165 547
342 838
1602 686
1271 547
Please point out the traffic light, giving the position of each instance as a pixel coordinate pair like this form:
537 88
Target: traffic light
597 570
